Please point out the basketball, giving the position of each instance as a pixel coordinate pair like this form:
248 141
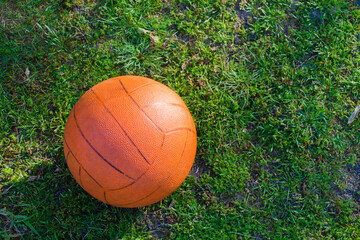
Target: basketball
130 141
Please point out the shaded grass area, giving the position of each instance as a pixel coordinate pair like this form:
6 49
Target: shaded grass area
270 85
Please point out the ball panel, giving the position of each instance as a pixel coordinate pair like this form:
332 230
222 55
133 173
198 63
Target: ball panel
90 160
107 136
169 116
133 83
156 176
132 122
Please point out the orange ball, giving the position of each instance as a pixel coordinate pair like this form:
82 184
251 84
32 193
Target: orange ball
130 141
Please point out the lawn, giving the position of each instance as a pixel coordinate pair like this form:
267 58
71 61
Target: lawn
270 85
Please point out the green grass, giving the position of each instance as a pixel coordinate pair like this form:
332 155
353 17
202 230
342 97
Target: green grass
271 85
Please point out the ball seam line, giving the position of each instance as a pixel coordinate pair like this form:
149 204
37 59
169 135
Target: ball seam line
105 189
126 204
92 147
144 85
137 105
182 154
81 164
187 136
164 103
80 181
121 188
106 201
67 155
118 123
180 129
133 182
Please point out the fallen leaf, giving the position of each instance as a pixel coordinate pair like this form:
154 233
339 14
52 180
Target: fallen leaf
354 114
166 42
151 34
153 37
27 72
141 30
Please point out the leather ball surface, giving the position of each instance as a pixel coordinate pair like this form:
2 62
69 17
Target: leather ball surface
130 141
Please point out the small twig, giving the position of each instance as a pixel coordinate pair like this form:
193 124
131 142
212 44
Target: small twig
243 235
166 42
172 204
187 63
306 60
6 190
